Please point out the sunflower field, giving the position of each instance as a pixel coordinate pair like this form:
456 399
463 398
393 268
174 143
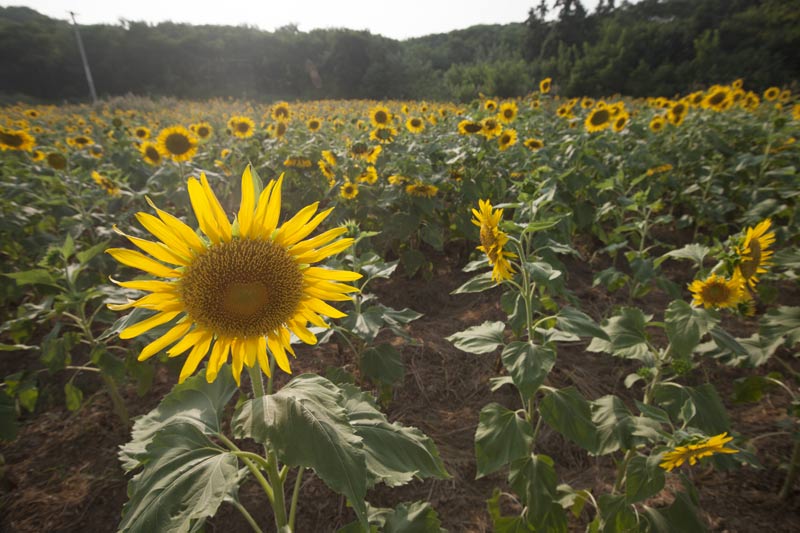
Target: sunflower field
529 314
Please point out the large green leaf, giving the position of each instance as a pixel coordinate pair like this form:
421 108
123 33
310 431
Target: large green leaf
478 283
535 480
643 478
479 339
568 412
693 252
780 322
707 412
306 424
680 516
195 401
528 365
185 479
617 428
574 321
627 334
382 364
685 326
395 454
502 437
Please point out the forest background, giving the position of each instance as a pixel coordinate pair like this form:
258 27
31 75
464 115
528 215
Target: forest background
653 47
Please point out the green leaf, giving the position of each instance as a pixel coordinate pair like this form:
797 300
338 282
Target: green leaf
8 417
534 479
37 276
393 317
760 349
617 428
395 454
382 364
616 514
184 480
478 283
433 236
194 402
568 412
73 396
415 517
68 248
727 343
528 365
366 324
627 334
87 255
782 322
681 516
505 524
574 321
751 388
685 326
708 414
693 252
502 437
412 260
306 424
643 478
479 339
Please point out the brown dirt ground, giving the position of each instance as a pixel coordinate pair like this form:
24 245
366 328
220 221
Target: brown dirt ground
62 473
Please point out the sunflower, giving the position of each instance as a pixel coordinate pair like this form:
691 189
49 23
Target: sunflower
620 121
785 96
330 157
280 129
564 111
507 139
533 144
508 112
38 155
796 111
56 161
203 130
677 113
467 127
150 153
177 143
598 120
327 170
380 116
490 127
490 105
242 127
544 85
105 183
718 98
314 124
754 253
142 133
31 113
17 140
242 294
349 190
422 190
415 125
371 156
738 84
369 175
281 112
493 240
717 291
657 123
96 151
771 94
80 141
698 450
383 134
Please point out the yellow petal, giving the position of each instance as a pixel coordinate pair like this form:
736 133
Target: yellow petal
195 356
186 234
319 240
212 368
327 273
305 230
202 211
135 259
312 256
273 212
147 324
164 233
295 223
277 351
156 249
261 356
322 308
216 209
258 230
192 338
247 207
157 301
316 292
238 361
151 285
302 332
165 340
313 317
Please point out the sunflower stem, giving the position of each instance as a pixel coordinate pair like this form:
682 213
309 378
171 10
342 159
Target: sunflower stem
247 516
279 505
791 476
116 400
298 482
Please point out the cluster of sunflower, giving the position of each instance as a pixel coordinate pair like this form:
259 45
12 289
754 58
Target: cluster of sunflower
751 257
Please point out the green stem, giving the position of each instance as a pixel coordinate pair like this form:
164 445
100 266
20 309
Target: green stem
247 516
295 496
116 400
279 506
791 476
255 380
621 468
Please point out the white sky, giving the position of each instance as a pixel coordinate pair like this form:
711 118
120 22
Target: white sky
396 19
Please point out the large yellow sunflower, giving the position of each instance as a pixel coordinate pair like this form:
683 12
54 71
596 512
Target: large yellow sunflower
204 130
493 240
239 289
380 116
507 139
508 112
754 253
698 450
242 127
717 291
598 119
415 125
19 140
491 127
177 143
467 127
281 112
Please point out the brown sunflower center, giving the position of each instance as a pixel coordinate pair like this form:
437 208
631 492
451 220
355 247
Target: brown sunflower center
416 123
243 288
600 117
381 117
313 125
13 140
508 113
489 242
242 127
177 143
716 293
203 131
749 266
152 153
473 127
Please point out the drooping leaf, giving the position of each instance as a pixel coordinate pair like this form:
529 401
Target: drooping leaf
568 412
528 365
643 478
410 517
382 364
680 516
535 480
478 283
574 321
627 333
502 437
617 428
706 411
479 339
685 326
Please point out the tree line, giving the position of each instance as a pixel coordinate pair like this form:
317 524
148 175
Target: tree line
652 47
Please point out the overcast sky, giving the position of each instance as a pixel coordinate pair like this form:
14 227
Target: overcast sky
396 19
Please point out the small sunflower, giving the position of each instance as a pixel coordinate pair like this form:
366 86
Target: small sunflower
142 133
380 116
490 105
105 183
422 190
80 141
717 291
677 113
280 129
177 143
349 190
533 144
598 120
620 121
314 124
150 153
491 127
242 127
507 139
493 240
469 127
281 112
369 175
56 161
38 155
203 130
240 295
718 98
16 140
330 157
544 85
657 123
772 94
415 125
754 253
698 450
508 112
383 134
326 169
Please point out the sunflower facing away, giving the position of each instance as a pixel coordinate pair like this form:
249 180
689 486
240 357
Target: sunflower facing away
493 240
693 452
544 85
717 291
754 253
239 290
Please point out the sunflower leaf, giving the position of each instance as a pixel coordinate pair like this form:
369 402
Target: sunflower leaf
479 339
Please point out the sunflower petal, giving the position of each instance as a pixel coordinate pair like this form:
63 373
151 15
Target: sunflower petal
164 233
330 274
147 324
156 249
295 223
305 230
135 259
319 240
203 212
195 356
165 340
322 308
151 285
312 256
178 227
247 207
219 354
261 356
216 209
191 338
276 348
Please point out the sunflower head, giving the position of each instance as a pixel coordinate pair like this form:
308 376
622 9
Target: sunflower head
493 240
698 449
717 291
234 294
544 85
754 253
598 119
380 116
177 143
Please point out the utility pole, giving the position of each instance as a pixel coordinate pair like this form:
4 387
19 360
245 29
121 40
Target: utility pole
85 61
